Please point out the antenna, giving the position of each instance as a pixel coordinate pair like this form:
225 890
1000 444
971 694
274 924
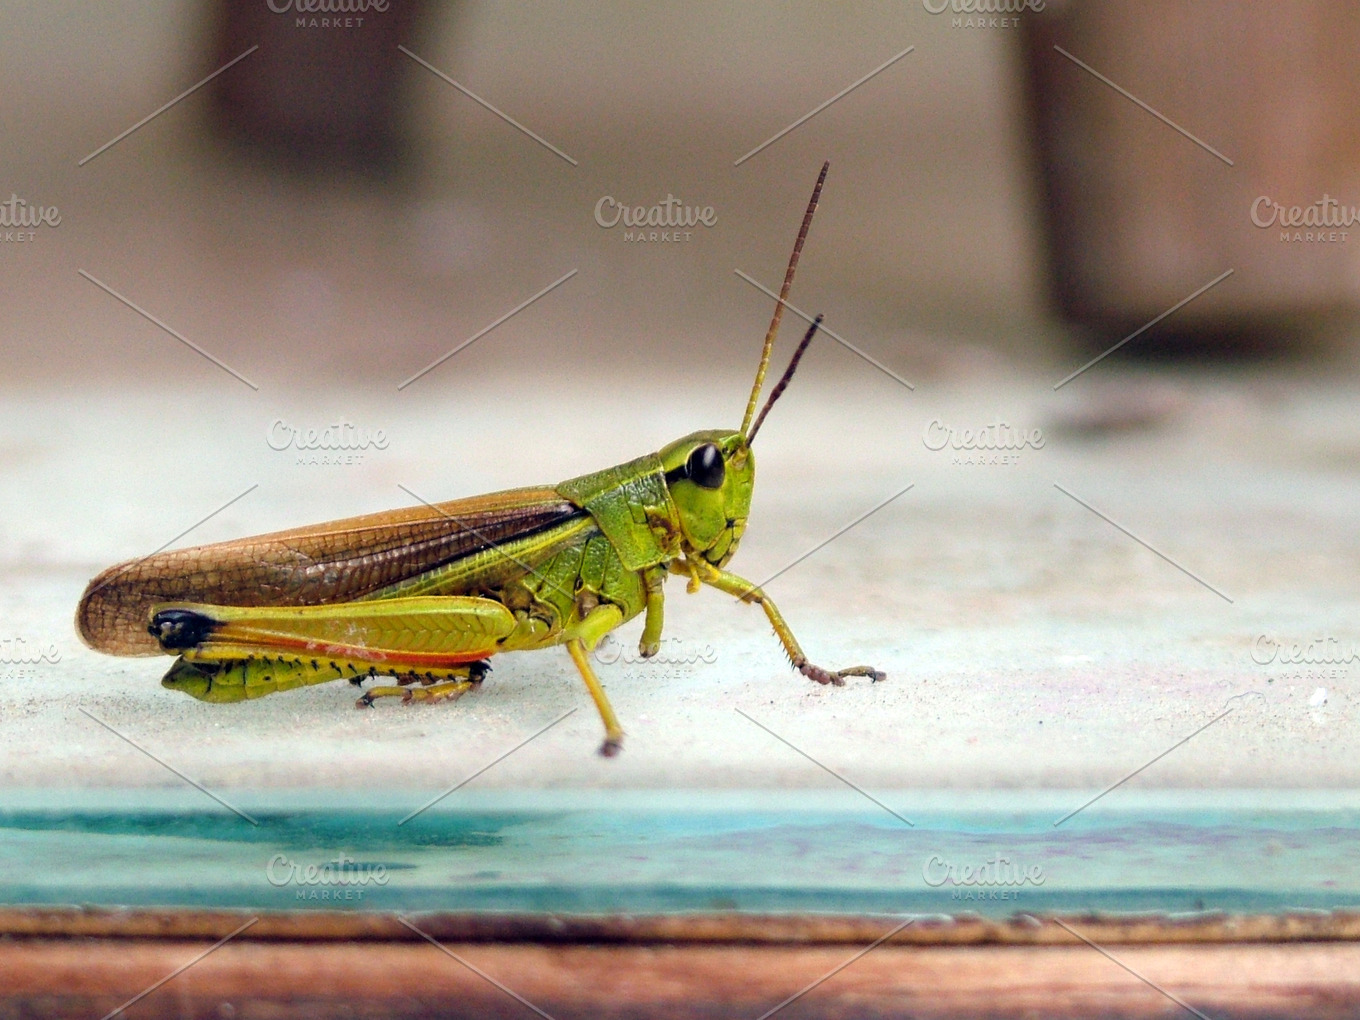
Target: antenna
779 308
784 379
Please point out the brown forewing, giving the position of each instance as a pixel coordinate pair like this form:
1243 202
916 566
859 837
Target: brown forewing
335 562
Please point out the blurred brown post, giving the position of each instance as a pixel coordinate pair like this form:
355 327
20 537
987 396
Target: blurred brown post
1139 216
321 92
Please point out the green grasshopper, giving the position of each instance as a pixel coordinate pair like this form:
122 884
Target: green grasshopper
427 594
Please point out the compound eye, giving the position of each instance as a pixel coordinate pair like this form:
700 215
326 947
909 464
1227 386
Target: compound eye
705 466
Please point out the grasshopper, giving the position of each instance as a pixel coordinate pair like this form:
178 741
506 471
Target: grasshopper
427 594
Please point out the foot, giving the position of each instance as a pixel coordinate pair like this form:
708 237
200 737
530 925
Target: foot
837 678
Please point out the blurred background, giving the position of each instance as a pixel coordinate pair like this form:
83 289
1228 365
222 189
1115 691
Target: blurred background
329 208
292 244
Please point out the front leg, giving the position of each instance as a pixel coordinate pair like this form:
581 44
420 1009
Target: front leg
748 592
650 642
581 640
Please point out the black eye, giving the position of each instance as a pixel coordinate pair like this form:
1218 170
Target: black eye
705 467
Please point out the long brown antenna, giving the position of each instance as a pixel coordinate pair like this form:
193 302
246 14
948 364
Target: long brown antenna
783 297
784 379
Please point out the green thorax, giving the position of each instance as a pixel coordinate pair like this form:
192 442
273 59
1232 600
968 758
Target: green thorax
652 513
633 507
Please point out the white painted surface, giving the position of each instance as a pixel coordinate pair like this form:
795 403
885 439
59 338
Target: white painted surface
1028 643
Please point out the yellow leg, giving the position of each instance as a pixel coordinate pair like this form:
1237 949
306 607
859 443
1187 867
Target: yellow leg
450 691
650 642
445 685
613 732
586 635
748 592
406 634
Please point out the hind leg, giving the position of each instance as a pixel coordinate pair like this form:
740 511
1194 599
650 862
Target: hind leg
238 652
431 688
450 690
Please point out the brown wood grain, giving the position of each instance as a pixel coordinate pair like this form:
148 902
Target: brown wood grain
722 927
70 962
88 978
